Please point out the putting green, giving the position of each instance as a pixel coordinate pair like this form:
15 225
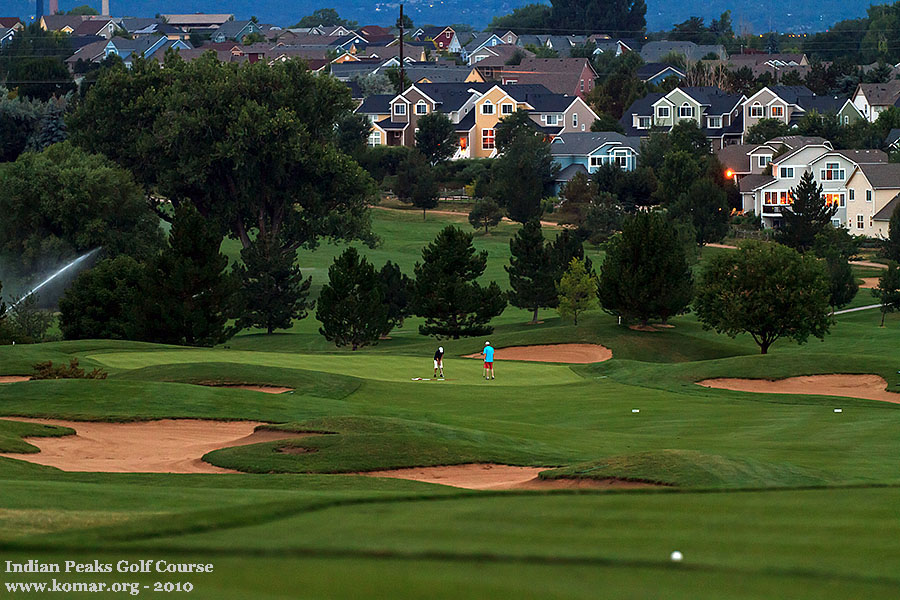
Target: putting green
363 365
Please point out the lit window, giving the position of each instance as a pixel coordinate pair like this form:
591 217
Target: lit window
487 108
399 109
487 139
506 109
421 108
757 110
777 111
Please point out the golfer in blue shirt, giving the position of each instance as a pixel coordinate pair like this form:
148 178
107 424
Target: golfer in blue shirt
488 353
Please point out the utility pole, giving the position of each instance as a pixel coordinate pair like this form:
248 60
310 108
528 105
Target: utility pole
402 64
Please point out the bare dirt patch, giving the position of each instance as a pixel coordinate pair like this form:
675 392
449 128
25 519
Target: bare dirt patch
266 389
165 446
869 387
480 476
297 450
558 353
14 379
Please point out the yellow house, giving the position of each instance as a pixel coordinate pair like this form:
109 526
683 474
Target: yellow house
872 193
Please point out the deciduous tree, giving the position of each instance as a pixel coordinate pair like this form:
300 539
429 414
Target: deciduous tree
485 213
769 291
577 291
416 184
705 206
436 137
888 290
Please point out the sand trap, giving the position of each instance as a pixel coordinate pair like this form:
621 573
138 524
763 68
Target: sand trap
13 379
478 476
166 446
559 353
266 389
869 387
869 283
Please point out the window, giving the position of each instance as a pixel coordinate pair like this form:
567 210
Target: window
663 112
487 139
714 122
506 109
834 199
441 44
399 109
686 111
421 108
832 172
860 222
762 161
552 119
574 120
487 108
868 195
846 119
786 172
375 138
643 123
757 110
770 198
836 223
852 194
582 85
621 161
596 161
463 142
777 111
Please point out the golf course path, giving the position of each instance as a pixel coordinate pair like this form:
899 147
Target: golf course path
483 476
13 379
558 353
165 446
265 389
869 387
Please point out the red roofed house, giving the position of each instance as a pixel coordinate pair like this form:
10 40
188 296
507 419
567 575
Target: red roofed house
573 76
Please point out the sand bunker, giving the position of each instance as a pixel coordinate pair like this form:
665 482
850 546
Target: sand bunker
478 476
13 379
559 353
266 389
869 387
166 446
869 283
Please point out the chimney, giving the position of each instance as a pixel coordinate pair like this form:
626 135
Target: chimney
38 9
105 12
54 7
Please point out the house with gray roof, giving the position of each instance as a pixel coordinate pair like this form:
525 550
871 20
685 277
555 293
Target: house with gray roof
142 46
717 113
874 98
235 31
587 152
6 35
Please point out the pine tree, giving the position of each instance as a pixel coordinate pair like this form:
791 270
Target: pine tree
351 306
396 288
807 215
186 292
531 275
645 273
447 293
842 282
485 214
272 291
577 290
705 206
888 290
563 249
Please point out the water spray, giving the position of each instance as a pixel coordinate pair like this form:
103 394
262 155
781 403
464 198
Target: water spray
59 272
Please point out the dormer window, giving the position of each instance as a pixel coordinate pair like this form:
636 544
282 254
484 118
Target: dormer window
506 109
763 160
662 112
400 109
487 108
686 111
777 111
643 122
714 122
421 108
757 111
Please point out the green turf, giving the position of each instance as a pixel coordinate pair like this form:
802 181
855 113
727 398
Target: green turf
768 496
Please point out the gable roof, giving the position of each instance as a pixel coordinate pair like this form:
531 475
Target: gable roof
887 211
59 22
881 94
652 70
499 54
584 143
718 101
89 52
9 22
198 19
378 104
749 183
93 26
437 73
654 51
861 157
231 29
882 175
735 157
892 137
570 172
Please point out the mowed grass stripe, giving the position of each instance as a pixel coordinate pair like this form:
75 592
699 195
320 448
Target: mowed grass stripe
362 365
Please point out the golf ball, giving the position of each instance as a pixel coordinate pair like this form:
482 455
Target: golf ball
676 556
837 410
635 410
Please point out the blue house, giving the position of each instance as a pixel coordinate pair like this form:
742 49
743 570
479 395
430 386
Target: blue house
586 152
234 31
142 46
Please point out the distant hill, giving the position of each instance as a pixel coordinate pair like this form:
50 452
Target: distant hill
751 15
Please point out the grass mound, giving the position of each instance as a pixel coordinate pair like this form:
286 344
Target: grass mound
12 432
692 469
307 383
371 443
